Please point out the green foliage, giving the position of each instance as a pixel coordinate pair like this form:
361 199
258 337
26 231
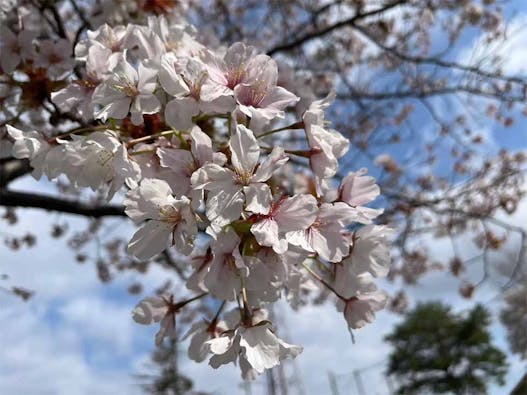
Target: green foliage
437 351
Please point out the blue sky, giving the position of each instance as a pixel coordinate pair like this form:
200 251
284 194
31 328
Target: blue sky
76 336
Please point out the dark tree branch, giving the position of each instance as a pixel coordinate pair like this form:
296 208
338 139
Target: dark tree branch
24 199
80 12
419 94
320 33
61 31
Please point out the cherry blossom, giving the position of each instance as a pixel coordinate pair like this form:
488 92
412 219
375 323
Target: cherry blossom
183 162
327 145
370 250
359 296
230 189
113 39
176 37
128 90
200 333
98 161
358 189
260 97
289 214
360 310
157 309
44 157
166 218
184 79
325 235
239 65
79 95
268 273
227 266
31 145
256 347
15 48
202 145
55 57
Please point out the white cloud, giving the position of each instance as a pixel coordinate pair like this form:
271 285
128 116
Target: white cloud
511 53
41 357
100 320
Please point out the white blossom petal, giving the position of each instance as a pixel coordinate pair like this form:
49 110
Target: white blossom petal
245 150
296 213
257 198
179 112
149 310
274 161
150 239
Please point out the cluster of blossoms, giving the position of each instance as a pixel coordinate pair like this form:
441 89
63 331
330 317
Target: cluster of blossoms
219 164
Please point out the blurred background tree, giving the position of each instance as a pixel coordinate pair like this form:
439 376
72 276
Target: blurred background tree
437 351
168 378
514 317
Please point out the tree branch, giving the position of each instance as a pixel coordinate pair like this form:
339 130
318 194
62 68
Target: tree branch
320 33
24 199
429 92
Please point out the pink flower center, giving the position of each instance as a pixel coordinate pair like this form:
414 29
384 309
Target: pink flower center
54 58
170 215
15 47
190 167
243 178
229 261
195 86
127 88
235 76
254 94
88 83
